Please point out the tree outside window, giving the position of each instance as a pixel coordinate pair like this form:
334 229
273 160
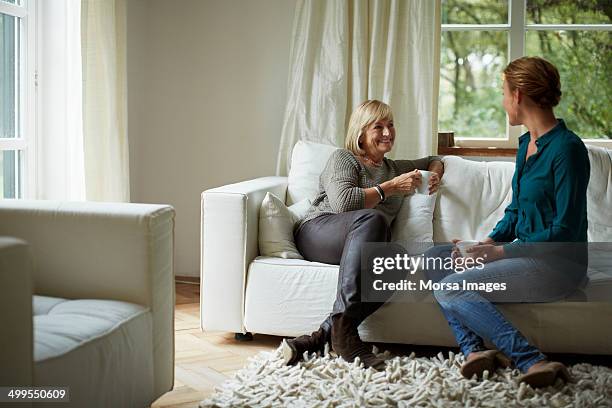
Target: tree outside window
479 35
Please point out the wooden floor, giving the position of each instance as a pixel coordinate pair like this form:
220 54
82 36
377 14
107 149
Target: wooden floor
204 360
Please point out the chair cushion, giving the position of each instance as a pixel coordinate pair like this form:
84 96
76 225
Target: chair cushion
62 325
95 346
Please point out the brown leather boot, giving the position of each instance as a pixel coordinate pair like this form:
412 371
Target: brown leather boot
545 373
293 349
347 344
476 363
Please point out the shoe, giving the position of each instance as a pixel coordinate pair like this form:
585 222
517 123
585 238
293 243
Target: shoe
347 344
545 374
293 349
488 360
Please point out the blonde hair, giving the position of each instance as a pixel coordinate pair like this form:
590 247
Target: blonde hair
363 116
536 78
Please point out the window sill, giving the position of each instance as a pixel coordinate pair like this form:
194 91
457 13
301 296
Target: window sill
477 151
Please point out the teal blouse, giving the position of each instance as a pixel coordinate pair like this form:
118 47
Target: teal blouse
548 193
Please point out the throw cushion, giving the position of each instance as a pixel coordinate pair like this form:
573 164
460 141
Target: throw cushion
276 223
413 225
307 162
473 197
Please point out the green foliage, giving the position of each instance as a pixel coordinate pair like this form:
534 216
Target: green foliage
472 62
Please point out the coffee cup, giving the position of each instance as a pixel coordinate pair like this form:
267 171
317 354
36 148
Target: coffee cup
424 187
463 247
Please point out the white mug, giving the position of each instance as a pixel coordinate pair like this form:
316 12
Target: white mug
424 187
463 247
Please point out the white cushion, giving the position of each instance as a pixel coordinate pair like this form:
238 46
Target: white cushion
307 162
288 297
276 223
599 195
472 198
95 346
291 297
413 225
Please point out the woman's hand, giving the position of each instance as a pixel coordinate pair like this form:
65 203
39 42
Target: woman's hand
455 253
436 167
406 183
434 182
487 240
488 252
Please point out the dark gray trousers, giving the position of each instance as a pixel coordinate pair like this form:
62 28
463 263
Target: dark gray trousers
338 239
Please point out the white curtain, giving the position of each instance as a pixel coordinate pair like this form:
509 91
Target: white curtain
105 140
60 166
82 146
346 51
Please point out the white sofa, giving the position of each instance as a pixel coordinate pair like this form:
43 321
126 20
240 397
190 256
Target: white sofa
87 300
244 292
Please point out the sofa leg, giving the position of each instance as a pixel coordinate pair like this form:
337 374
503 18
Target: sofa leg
243 336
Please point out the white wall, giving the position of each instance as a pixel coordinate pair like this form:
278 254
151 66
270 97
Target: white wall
206 93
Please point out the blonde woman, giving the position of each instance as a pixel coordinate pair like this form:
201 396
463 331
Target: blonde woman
360 193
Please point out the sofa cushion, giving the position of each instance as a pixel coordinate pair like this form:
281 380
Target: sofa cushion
413 225
599 195
288 297
307 162
276 222
472 198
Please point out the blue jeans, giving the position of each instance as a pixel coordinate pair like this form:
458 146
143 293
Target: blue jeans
471 314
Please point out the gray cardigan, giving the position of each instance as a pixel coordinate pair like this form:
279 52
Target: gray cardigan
344 178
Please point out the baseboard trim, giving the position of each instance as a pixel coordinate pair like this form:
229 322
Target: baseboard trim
187 279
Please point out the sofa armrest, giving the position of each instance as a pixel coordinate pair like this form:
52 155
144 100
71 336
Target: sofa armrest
15 313
96 250
229 230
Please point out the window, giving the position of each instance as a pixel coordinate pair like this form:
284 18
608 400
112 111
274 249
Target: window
16 97
479 38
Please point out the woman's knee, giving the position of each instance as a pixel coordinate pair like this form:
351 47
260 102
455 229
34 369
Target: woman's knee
372 220
448 291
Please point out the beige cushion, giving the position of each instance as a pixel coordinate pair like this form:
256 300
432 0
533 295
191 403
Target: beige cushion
276 223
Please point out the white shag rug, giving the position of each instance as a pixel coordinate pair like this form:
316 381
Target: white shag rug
407 382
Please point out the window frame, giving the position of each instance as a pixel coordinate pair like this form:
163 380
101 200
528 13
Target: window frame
517 29
26 87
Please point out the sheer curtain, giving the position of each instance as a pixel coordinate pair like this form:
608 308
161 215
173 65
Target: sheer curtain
61 171
82 141
105 139
346 51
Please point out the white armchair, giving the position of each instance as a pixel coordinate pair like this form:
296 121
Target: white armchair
103 304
